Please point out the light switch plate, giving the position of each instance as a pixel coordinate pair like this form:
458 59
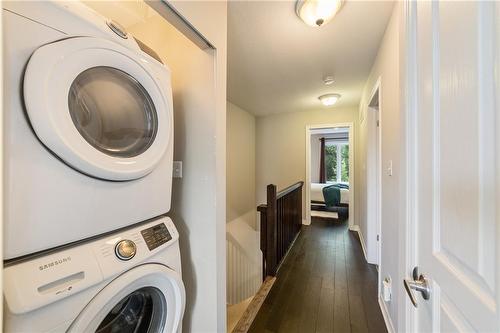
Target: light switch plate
387 289
177 169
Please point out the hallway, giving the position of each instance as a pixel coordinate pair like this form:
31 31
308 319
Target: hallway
324 285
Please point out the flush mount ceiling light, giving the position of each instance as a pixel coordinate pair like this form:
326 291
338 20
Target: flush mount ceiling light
329 99
317 12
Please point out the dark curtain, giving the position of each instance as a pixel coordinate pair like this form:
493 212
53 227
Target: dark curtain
322 171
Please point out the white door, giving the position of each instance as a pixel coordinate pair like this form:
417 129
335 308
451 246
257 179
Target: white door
457 146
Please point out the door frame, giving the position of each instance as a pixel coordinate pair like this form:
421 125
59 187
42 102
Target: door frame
408 186
350 125
374 189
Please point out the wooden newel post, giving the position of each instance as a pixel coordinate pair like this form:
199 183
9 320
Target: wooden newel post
271 221
299 208
262 209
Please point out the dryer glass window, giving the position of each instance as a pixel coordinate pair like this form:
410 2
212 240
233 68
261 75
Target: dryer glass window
113 111
144 310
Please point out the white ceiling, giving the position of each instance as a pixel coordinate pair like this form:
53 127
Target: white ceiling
276 63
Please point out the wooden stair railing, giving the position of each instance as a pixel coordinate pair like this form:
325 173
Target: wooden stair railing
253 308
280 223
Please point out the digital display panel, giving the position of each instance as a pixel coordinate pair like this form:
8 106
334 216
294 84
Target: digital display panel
156 236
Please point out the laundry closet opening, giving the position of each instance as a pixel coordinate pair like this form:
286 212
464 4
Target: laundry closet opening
191 57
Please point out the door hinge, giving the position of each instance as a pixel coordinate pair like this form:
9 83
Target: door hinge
378 123
378 238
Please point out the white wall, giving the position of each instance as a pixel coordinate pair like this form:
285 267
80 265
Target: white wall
207 228
1 179
280 153
244 258
386 67
198 202
240 167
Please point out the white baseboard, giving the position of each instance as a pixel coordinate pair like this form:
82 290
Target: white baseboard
354 227
387 317
361 239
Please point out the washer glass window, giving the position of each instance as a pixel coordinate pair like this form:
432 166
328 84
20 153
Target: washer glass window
144 310
113 111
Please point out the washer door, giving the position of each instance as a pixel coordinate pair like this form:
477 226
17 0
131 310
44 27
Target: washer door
100 107
149 298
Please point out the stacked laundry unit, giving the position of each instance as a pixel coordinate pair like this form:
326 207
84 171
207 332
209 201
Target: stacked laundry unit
88 168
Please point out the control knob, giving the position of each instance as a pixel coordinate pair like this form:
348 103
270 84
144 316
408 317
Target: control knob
125 249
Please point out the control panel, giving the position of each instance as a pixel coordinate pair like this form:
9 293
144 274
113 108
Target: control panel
46 279
156 236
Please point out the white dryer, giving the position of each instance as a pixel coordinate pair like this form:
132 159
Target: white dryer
88 126
129 281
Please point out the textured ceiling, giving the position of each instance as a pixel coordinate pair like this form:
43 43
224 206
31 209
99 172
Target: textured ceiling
276 62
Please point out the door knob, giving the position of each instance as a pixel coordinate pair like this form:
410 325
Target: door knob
418 283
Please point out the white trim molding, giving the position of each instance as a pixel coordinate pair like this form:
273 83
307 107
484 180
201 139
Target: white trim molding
356 228
408 93
387 317
374 172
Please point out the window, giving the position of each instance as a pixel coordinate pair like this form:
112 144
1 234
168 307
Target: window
337 161
331 163
344 160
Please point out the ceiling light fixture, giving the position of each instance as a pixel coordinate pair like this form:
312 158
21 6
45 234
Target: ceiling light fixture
317 12
329 99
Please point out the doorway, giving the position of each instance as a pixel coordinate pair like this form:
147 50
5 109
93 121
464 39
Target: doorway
374 176
330 161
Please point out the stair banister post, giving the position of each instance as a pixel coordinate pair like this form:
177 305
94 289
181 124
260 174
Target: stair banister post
271 221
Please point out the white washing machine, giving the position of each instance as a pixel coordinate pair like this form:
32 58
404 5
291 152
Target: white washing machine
129 281
88 126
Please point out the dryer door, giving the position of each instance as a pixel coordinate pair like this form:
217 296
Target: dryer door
103 109
149 298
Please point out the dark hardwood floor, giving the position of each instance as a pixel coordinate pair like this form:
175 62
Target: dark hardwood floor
324 285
